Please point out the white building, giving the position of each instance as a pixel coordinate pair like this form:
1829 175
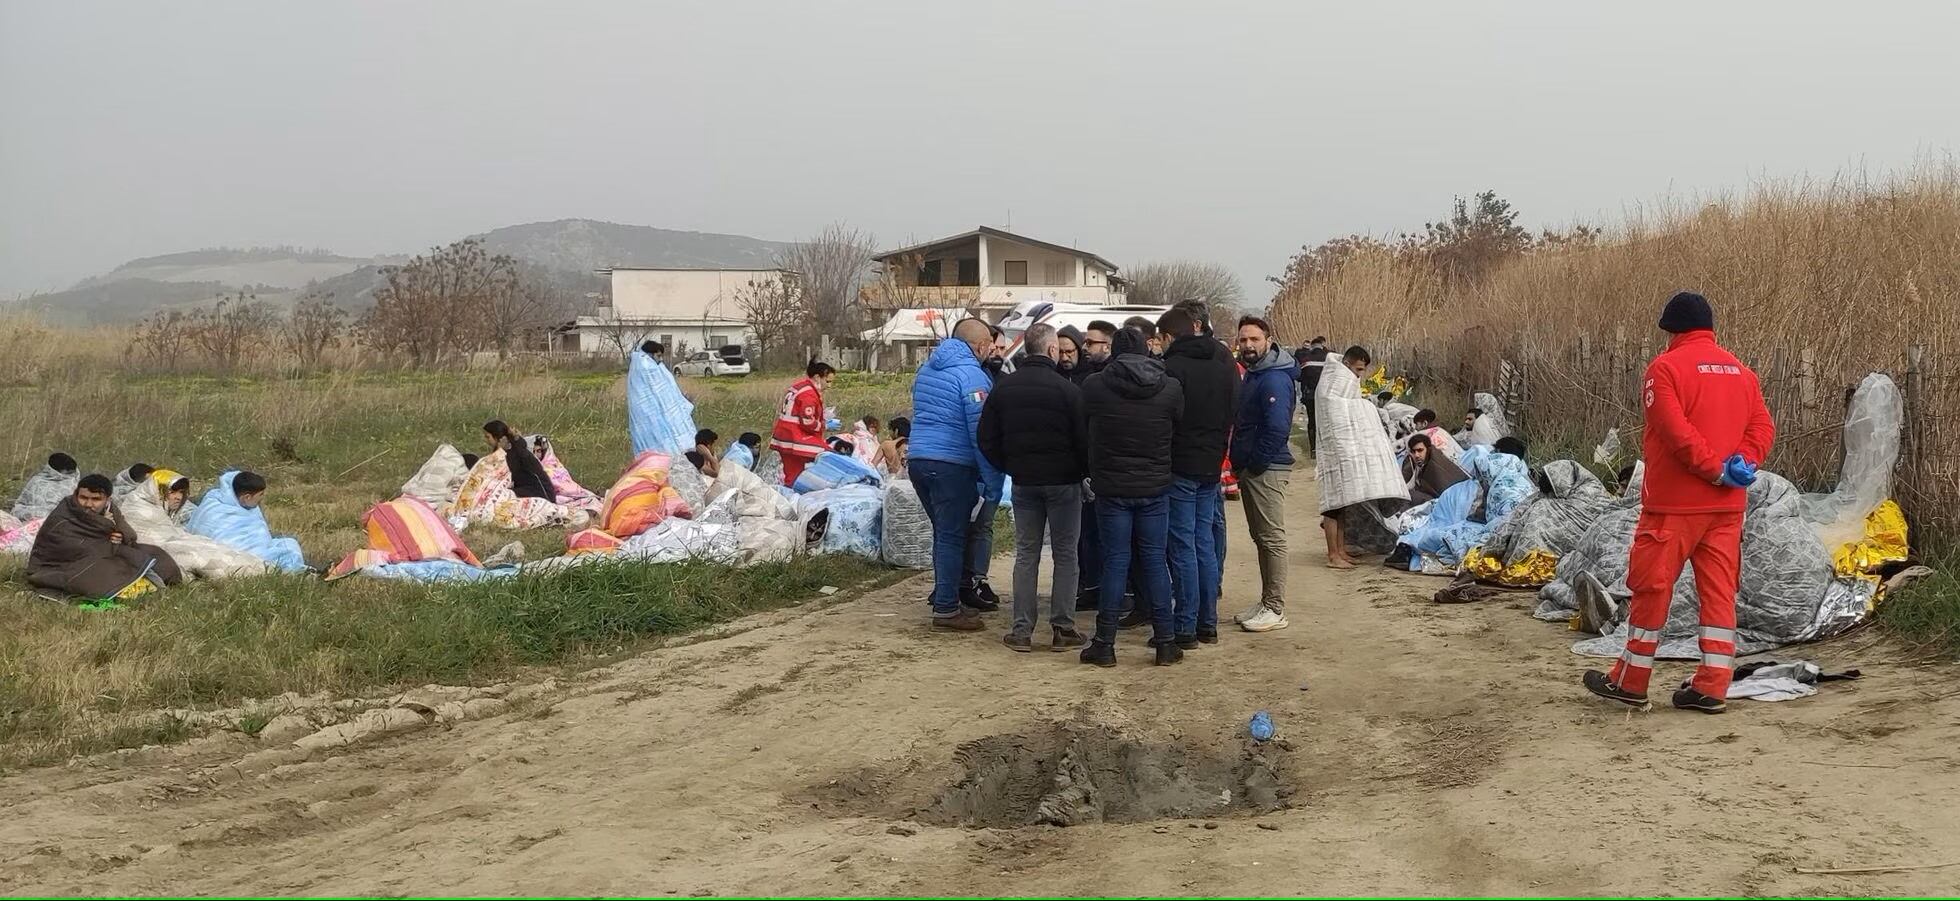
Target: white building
684 309
990 271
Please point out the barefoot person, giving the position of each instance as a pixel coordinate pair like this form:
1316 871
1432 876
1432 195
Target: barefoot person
1707 431
1357 460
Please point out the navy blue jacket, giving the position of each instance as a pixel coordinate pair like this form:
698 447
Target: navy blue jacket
1265 417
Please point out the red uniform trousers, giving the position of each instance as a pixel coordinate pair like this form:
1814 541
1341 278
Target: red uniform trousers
793 466
1661 544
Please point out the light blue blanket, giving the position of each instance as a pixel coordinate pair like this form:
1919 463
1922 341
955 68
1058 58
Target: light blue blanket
1503 481
219 516
658 416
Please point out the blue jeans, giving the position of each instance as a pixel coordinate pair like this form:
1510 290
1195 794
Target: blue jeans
1088 551
1218 538
948 491
1134 526
1194 521
980 542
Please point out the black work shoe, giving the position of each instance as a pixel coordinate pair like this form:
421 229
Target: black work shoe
1598 683
978 595
1169 653
1065 640
1100 653
1188 642
1136 617
1207 635
1021 643
1690 699
962 621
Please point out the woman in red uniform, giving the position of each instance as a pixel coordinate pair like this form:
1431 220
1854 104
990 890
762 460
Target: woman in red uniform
798 436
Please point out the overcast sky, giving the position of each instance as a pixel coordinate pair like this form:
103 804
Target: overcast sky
1212 130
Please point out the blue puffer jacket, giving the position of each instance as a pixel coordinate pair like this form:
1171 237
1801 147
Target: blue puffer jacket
1265 416
947 396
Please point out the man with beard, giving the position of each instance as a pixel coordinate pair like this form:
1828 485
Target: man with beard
1263 462
1095 355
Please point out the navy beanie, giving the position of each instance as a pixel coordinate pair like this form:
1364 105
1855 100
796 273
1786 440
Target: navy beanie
1687 312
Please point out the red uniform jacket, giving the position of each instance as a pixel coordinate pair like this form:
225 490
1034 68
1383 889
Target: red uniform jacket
799 423
1703 406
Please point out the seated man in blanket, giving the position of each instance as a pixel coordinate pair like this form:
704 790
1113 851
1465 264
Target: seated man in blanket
85 548
741 454
231 514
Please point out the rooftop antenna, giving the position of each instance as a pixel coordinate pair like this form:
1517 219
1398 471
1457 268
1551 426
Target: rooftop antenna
1010 219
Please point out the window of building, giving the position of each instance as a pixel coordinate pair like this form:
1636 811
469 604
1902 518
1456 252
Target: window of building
1017 272
1055 272
667 341
717 341
970 272
929 274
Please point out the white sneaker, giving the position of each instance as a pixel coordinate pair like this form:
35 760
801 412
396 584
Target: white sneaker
1263 621
1250 612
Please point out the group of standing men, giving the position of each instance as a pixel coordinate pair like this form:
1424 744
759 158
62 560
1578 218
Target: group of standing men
1113 437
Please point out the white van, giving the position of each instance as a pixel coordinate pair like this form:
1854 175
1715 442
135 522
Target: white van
1015 324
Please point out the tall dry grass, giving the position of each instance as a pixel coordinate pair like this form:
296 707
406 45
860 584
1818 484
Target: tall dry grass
1816 283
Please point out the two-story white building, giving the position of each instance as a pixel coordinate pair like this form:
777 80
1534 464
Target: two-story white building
684 309
989 271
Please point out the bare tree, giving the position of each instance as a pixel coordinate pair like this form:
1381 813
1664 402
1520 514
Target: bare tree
437 305
1164 284
775 312
525 303
165 338
831 268
315 325
232 329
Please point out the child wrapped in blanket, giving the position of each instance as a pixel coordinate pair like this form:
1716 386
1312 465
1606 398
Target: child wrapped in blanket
230 513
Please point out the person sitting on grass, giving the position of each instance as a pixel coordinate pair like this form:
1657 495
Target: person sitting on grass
699 459
86 549
741 454
865 445
230 513
892 452
527 476
45 489
469 461
127 480
704 447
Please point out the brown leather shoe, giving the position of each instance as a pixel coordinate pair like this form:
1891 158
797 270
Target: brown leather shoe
963 621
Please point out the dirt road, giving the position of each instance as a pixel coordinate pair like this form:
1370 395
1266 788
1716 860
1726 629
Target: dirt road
1422 749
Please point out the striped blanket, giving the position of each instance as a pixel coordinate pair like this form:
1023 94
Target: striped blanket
404 530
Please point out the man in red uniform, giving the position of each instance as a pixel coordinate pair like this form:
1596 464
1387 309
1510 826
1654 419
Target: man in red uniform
1707 431
798 437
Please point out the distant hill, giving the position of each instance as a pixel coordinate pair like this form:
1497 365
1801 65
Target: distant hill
566 251
586 244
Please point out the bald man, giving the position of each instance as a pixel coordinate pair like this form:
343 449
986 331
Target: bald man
954 479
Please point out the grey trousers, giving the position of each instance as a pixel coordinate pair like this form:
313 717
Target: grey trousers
1264 498
1056 509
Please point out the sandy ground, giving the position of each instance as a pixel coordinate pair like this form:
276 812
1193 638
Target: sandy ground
1422 749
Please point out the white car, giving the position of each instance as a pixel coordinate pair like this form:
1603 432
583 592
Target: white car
727 361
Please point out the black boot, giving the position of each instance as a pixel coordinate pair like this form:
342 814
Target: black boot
1087 600
976 594
1169 653
1099 653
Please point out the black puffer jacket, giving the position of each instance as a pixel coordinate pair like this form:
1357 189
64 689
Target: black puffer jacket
1032 426
1084 368
1134 407
1204 369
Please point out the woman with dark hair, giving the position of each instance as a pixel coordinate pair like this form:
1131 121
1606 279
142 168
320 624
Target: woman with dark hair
1427 471
527 475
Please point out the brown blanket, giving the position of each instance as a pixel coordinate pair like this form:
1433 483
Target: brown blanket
1437 474
73 553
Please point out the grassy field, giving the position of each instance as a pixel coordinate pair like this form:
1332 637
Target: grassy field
331 445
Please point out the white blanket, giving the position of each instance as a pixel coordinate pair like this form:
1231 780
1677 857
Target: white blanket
438 480
1355 460
196 555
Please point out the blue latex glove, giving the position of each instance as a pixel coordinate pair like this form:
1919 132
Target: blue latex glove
1738 473
833 424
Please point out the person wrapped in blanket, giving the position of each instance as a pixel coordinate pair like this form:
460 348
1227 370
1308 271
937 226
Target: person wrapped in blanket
85 548
173 489
741 454
510 488
44 490
230 513
1427 471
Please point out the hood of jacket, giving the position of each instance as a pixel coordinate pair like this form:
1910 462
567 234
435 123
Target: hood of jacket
1135 376
1273 359
1198 347
952 353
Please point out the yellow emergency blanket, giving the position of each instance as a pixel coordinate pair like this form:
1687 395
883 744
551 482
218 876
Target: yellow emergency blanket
1534 569
1884 543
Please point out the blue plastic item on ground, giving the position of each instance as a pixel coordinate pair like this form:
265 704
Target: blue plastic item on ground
1261 726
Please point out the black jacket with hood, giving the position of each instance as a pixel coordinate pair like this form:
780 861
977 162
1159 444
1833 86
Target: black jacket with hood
1210 379
1134 407
1032 426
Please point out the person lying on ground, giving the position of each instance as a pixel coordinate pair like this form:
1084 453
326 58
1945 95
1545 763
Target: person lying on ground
704 447
88 550
741 454
1427 471
231 513
527 475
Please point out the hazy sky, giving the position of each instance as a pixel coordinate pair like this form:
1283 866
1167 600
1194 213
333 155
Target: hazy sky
1211 130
